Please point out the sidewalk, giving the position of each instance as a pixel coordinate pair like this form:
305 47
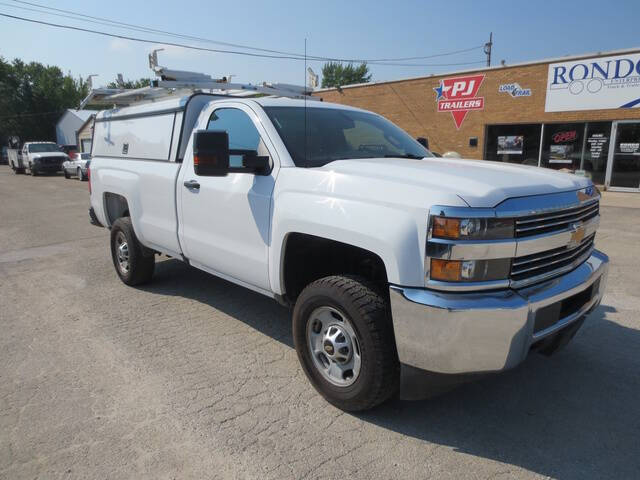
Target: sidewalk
620 199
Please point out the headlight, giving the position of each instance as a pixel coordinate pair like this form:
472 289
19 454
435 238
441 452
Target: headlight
469 270
472 228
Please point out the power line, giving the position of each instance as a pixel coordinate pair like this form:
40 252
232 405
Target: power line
139 27
118 24
455 52
145 40
205 49
386 64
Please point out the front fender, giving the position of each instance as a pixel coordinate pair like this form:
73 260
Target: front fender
396 235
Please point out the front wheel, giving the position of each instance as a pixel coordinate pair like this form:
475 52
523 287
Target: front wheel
66 174
134 263
344 339
80 175
32 171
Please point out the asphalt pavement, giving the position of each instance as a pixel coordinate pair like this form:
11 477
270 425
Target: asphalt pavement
193 377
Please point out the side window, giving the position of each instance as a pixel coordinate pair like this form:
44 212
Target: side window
243 134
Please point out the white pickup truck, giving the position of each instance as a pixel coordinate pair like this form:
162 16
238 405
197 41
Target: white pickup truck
394 261
37 157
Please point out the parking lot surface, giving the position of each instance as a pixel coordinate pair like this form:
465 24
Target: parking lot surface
193 377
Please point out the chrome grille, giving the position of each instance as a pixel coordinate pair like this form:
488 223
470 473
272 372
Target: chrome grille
539 266
555 221
51 160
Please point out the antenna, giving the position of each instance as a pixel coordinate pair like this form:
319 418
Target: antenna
305 103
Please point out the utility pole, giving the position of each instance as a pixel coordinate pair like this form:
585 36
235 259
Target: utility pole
487 49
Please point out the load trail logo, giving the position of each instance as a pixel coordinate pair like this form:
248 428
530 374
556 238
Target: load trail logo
458 95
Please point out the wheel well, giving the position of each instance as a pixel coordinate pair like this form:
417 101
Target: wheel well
116 207
308 258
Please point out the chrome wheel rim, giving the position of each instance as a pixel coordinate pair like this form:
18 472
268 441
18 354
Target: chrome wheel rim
122 253
334 346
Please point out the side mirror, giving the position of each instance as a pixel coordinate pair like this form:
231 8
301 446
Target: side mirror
423 141
211 153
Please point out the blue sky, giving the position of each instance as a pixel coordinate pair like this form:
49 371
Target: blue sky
523 31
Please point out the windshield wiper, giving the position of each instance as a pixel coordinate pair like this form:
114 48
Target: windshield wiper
406 155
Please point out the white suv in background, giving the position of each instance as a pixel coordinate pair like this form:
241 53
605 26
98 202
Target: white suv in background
77 165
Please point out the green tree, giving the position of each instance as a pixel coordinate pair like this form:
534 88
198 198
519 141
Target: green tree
143 82
336 74
33 97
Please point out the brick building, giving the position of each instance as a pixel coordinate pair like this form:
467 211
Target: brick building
579 113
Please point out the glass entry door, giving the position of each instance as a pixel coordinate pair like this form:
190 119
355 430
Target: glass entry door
624 158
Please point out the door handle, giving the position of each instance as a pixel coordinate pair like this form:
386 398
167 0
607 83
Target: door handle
192 184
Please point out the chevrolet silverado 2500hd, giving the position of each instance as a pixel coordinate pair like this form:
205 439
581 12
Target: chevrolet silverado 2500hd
392 259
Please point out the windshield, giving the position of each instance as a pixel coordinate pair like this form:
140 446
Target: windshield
336 134
85 156
43 147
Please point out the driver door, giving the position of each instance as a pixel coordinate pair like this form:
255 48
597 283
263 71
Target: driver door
225 221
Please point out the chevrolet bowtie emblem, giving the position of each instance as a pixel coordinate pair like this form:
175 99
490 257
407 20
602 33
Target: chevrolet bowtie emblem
577 234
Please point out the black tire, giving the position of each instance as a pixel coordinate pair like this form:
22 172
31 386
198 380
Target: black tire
33 171
141 261
80 176
368 313
66 174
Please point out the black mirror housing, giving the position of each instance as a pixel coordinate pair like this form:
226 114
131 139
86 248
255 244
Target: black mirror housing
423 141
258 164
211 153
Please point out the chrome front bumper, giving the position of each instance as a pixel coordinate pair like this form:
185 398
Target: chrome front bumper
456 332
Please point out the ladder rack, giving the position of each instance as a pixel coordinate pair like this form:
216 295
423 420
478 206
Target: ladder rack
177 83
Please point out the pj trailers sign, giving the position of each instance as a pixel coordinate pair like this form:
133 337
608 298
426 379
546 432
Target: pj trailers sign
592 84
459 95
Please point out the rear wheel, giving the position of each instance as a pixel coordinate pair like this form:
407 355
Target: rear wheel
344 339
133 262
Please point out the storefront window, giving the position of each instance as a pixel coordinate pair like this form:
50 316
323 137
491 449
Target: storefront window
581 148
513 143
625 171
596 151
562 146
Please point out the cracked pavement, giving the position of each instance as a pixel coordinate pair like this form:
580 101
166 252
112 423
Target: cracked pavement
193 377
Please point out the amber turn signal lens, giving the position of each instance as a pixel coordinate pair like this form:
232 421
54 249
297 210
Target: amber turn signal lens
446 227
446 270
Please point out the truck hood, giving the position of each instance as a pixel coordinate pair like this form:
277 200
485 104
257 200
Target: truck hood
48 155
479 183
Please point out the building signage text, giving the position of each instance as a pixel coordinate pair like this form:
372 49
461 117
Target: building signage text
568 136
593 84
630 148
514 89
458 95
596 142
